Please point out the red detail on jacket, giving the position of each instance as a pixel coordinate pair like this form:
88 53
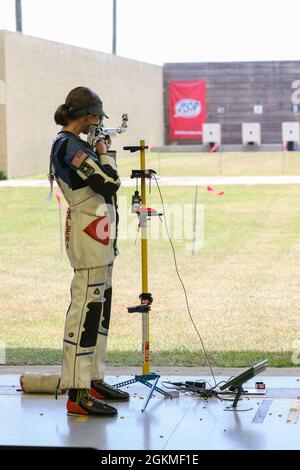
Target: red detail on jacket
99 229
68 227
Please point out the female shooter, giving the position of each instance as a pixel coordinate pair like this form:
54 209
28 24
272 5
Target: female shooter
89 181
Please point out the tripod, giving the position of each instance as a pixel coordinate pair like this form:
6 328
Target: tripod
146 298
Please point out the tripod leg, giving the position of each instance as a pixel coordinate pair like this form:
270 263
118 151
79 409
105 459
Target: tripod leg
237 397
150 394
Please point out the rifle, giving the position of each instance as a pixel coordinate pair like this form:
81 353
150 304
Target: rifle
103 133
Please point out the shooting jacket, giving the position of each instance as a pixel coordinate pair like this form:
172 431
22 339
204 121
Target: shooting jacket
89 184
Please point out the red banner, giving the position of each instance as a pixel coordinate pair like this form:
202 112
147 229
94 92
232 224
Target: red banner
187 109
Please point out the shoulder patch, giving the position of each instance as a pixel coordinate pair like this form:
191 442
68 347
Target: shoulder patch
79 158
86 169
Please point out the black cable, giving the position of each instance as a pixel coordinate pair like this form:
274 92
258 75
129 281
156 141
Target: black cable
183 286
183 387
222 381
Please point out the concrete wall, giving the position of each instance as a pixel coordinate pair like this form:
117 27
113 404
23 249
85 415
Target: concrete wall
40 73
3 150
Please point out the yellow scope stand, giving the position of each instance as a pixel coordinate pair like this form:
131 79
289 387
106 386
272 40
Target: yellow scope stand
146 298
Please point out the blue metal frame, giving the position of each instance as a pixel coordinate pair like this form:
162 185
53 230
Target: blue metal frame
144 379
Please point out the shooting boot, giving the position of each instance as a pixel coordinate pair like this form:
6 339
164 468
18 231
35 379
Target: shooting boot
80 402
103 391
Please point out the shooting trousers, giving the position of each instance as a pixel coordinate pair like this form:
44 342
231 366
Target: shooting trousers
86 327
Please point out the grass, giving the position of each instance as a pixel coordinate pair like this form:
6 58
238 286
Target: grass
243 285
203 164
48 356
225 164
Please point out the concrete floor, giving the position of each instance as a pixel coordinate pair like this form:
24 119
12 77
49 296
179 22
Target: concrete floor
187 422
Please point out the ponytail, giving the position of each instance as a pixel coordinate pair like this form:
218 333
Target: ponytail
62 115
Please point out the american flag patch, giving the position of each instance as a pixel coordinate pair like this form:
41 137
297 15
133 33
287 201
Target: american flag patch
79 158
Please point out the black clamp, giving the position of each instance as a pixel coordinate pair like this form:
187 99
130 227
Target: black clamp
144 307
135 148
147 211
146 298
142 173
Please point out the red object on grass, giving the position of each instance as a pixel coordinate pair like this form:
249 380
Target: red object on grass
211 190
59 199
213 148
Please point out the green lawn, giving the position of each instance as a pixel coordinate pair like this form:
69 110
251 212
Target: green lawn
243 285
226 164
203 164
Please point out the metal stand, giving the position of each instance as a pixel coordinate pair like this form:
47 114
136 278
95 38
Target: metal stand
146 298
144 379
233 407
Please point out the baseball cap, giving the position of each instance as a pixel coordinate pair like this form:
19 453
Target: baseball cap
96 109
